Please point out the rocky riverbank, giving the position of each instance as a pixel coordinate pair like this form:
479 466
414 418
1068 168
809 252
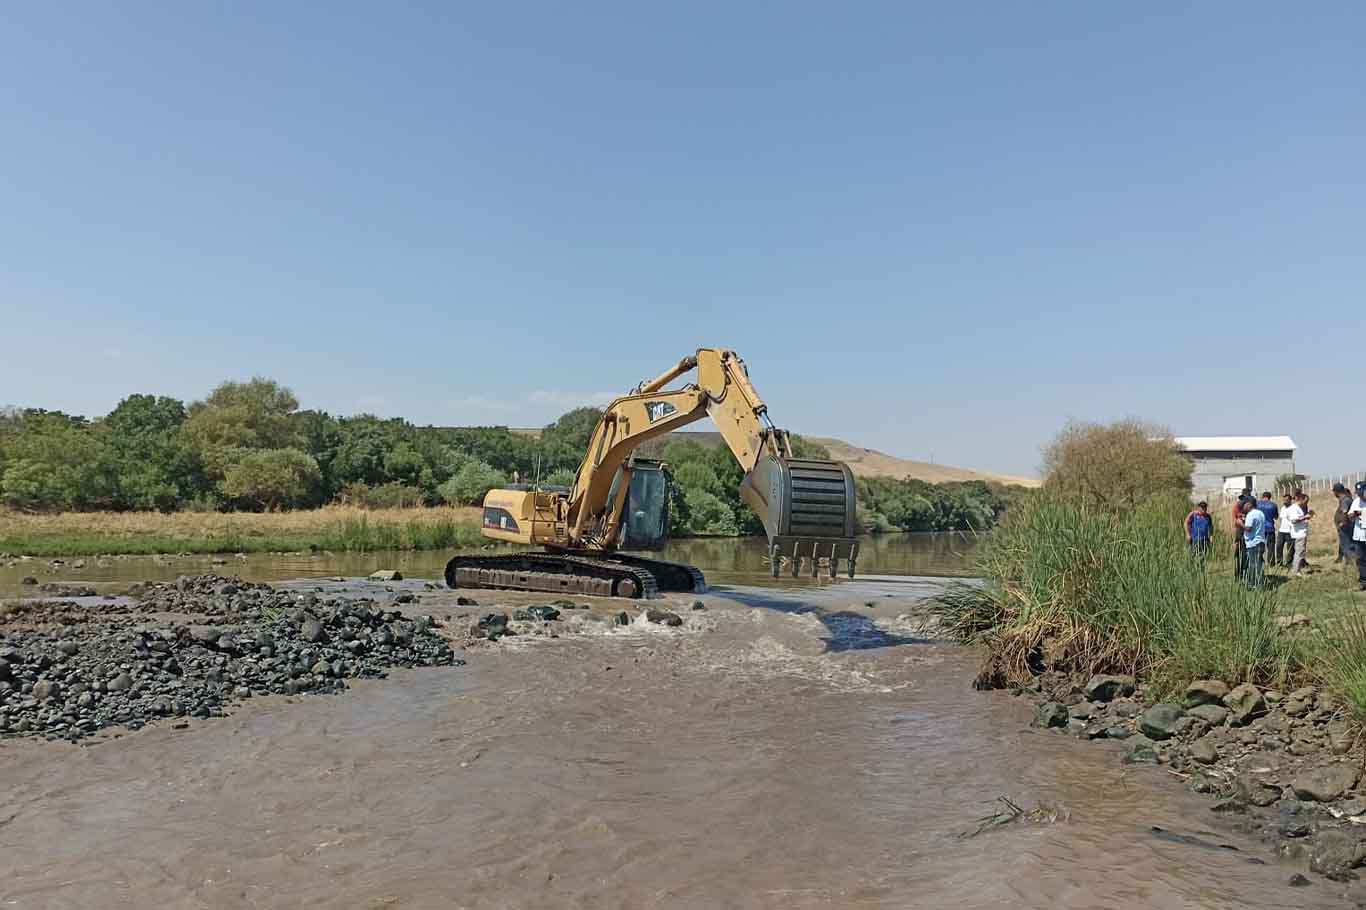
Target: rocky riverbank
192 649
1281 766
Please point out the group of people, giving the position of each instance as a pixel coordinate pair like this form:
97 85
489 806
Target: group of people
1270 534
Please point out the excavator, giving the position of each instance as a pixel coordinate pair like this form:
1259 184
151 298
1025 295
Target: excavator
620 501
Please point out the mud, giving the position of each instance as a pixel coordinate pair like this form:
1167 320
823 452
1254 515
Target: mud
775 750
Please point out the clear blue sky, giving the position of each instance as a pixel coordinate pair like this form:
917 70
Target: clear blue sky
928 229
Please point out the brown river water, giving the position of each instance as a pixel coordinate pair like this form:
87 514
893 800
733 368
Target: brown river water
790 747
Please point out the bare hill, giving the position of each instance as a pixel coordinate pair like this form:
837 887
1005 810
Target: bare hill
863 462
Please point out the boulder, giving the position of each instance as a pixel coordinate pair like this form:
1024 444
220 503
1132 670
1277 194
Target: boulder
386 575
1205 692
1245 704
1160 721
1139 750
311 629
621 619
44 689
1256 792
663 617
1323 785
28 580
1204 752
1083 710
1334 854
1340 737
543 612
1104 687
1214 715
1051 714
121 683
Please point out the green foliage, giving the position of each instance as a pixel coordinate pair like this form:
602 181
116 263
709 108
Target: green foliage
1086 589
468 485
563 477
56 462
271 478
241 417
915 505
709 514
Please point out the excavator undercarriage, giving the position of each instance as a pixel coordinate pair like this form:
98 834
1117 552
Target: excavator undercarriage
620 501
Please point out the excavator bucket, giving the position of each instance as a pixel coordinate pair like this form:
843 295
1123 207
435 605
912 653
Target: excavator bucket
808 510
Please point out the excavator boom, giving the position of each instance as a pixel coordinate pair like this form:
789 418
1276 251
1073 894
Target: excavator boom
807 506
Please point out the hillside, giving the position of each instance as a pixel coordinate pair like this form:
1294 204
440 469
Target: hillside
863 462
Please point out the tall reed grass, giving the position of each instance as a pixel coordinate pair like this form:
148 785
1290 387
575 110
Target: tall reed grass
1076 589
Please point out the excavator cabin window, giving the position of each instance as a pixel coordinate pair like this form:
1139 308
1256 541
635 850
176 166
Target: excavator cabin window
646 523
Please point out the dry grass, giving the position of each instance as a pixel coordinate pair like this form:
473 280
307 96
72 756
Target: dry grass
332 527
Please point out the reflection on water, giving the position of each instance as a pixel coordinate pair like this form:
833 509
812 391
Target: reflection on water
725 561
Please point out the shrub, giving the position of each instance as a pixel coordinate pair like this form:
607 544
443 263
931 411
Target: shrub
469 485
1115 465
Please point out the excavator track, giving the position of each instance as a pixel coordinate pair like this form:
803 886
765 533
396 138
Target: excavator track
571 573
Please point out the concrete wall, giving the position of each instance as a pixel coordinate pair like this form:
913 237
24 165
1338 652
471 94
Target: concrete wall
1211 470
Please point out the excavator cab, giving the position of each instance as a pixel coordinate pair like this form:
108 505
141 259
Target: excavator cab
645 522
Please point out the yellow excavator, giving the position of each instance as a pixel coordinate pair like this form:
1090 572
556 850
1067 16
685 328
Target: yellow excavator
620 501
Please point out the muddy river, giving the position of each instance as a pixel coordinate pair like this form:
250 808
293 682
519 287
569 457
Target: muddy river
724 560
785 748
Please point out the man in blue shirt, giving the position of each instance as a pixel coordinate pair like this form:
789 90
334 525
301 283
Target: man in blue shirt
1254 542
1198 527
1267 506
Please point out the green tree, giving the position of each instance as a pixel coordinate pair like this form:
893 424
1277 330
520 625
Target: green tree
271 478
469 485
57 462
241 417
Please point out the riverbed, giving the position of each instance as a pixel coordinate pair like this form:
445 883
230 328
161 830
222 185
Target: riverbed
781 749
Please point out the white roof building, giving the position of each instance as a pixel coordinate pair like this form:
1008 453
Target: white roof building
1227 464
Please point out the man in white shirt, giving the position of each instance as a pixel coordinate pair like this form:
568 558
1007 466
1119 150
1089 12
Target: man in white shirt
1297 516
1358 514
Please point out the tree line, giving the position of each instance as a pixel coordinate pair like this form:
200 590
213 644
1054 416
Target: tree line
248 446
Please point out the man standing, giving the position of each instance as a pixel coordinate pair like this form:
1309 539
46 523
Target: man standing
1254 543
1342 524
1357 513
1198 525
1267 505
1281 552
1298 515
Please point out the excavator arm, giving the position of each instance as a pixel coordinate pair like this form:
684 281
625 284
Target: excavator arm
807 506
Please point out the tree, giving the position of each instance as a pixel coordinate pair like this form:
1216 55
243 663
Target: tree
271 478
565 441
57 462
469 485
1116 465
241 417
156 468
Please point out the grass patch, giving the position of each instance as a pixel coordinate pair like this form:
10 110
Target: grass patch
336 528
1082 590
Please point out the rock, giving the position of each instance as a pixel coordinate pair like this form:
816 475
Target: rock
1340 737
206 635
121 683
463 601
311 629
1256 792
698 605
1117 732
1295 828
1051 714
1103 687
1139 750
1325 784
543 612
1293 620
492 626
1245 704
28 580
621 619
386 575
1205 692
1083 710
1160 721
1334 854
1296 708
1297 881
405 597
663 617
44 689
1204 752
1305 693
1126 708
1214 715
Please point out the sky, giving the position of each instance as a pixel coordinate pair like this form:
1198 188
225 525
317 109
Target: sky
937 230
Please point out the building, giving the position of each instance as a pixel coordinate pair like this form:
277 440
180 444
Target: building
1226 464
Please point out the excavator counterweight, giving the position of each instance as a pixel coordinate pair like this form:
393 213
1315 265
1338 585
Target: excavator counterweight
620 501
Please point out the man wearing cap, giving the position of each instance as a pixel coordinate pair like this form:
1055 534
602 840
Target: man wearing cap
1357 513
